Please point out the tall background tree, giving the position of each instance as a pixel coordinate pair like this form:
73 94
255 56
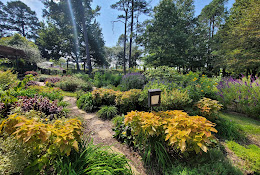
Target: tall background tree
57 13
20 18
238 43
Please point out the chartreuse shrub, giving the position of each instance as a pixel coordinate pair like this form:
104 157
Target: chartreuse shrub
172 97
209 108
92 159
124 101
226 129
48 140
250 154
107 112
157 132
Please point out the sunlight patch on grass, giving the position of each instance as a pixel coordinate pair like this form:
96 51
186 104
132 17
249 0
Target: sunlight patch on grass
248 125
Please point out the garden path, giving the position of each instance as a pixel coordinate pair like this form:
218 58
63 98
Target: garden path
102 133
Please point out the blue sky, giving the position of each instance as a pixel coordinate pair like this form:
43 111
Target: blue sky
108 15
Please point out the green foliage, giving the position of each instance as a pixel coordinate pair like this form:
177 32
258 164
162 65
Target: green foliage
107 112
85 102
92 159
237 48
228 129
163 73
49 92
250 154
248 125
72 83
214 162
133 81
174 99
14 156
123 132
128 100
104 97
242 95
7 79
33 55
105 79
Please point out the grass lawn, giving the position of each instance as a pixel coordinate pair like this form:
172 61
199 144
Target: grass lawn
248 125
69 94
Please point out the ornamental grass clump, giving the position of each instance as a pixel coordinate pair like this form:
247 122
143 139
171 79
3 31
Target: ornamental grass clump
107 112
241 95
209 108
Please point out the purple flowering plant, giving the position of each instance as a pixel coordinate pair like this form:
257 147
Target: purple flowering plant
242 93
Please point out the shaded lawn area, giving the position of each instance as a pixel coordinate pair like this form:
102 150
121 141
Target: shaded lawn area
248 125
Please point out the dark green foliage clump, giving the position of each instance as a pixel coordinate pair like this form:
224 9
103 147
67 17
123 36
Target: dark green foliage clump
92 159
107 112
85 102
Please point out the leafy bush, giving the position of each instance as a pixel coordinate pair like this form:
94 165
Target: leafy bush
7 79
71 83
163 73
132 81
174 99
85 102
208 108
107 112
183 132
40 104
128 100
242 95
105 79
199 86
158 134
124 101
171 97
92 159
31 72
103 96
31 91
14 156
49 140
251 154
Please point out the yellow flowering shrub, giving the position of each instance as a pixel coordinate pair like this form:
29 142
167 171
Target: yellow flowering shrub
183 132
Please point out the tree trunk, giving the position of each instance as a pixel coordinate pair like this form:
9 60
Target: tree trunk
85 34
131 35
126 13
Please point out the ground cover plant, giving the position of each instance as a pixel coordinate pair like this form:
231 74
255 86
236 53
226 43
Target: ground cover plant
250 154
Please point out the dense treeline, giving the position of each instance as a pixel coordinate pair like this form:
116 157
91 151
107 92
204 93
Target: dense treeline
216 40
